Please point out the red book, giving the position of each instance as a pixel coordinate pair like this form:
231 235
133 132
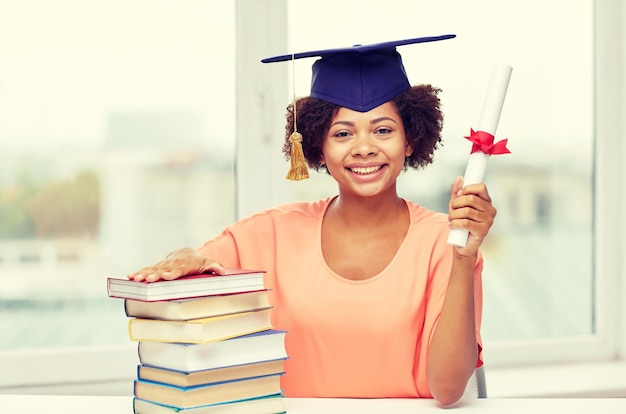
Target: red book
192 286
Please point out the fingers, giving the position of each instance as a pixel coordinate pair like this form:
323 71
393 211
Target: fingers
474 196
180 263
161 271
457 185
455 190
166 271
212 266
470 208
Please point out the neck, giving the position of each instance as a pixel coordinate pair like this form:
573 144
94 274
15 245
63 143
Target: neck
363 210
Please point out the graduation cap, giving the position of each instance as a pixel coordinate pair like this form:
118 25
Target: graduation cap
360 78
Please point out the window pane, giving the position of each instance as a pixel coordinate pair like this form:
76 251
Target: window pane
538 277
118 134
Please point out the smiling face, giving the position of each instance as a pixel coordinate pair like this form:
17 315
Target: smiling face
365 151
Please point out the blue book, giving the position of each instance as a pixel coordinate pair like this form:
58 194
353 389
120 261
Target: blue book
263 405
214 393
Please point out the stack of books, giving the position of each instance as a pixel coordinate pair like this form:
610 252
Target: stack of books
206 344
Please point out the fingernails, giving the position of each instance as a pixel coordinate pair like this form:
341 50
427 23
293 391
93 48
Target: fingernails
138 277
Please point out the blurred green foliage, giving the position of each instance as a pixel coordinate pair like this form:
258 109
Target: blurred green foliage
63 208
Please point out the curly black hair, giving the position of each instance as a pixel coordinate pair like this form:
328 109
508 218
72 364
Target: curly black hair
419 108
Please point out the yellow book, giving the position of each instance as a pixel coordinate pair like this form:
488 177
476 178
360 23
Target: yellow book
199 330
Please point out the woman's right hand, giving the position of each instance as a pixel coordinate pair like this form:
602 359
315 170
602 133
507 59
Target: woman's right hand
182 262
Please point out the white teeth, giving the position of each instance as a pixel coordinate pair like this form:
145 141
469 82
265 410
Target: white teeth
365 170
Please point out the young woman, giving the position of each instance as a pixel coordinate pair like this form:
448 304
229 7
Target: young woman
376 303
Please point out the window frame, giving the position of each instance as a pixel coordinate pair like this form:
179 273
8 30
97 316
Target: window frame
260 107
607 343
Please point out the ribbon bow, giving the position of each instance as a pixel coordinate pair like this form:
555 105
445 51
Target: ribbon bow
483 141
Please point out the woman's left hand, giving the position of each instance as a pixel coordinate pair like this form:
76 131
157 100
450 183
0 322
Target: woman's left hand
470 208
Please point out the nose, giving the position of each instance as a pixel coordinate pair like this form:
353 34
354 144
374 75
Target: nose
364 145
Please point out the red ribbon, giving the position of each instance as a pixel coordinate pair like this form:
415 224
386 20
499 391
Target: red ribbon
483 141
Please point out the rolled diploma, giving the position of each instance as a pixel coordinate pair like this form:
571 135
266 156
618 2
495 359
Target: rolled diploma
489 117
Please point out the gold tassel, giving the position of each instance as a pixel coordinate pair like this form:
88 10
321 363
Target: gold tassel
297 168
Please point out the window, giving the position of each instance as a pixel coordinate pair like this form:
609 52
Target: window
118 146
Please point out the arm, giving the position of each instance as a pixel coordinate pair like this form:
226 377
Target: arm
453 350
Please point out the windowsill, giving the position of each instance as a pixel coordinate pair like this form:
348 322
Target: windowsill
111 371
597 379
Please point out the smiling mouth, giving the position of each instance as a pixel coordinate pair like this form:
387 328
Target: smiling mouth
366 170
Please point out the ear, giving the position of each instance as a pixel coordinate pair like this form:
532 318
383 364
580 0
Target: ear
408 151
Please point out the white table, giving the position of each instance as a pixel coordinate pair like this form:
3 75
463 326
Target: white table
53 404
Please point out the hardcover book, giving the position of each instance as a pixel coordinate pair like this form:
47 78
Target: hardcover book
221 392
229 373
203 330
247 349
206 284
196 308
264 405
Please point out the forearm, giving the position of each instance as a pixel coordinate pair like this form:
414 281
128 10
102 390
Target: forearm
453 350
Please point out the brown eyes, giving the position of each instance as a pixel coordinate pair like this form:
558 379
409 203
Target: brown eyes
346 134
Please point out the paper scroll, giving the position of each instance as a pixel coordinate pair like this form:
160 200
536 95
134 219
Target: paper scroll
483 137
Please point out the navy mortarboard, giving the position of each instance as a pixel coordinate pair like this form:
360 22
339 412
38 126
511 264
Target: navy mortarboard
360 78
